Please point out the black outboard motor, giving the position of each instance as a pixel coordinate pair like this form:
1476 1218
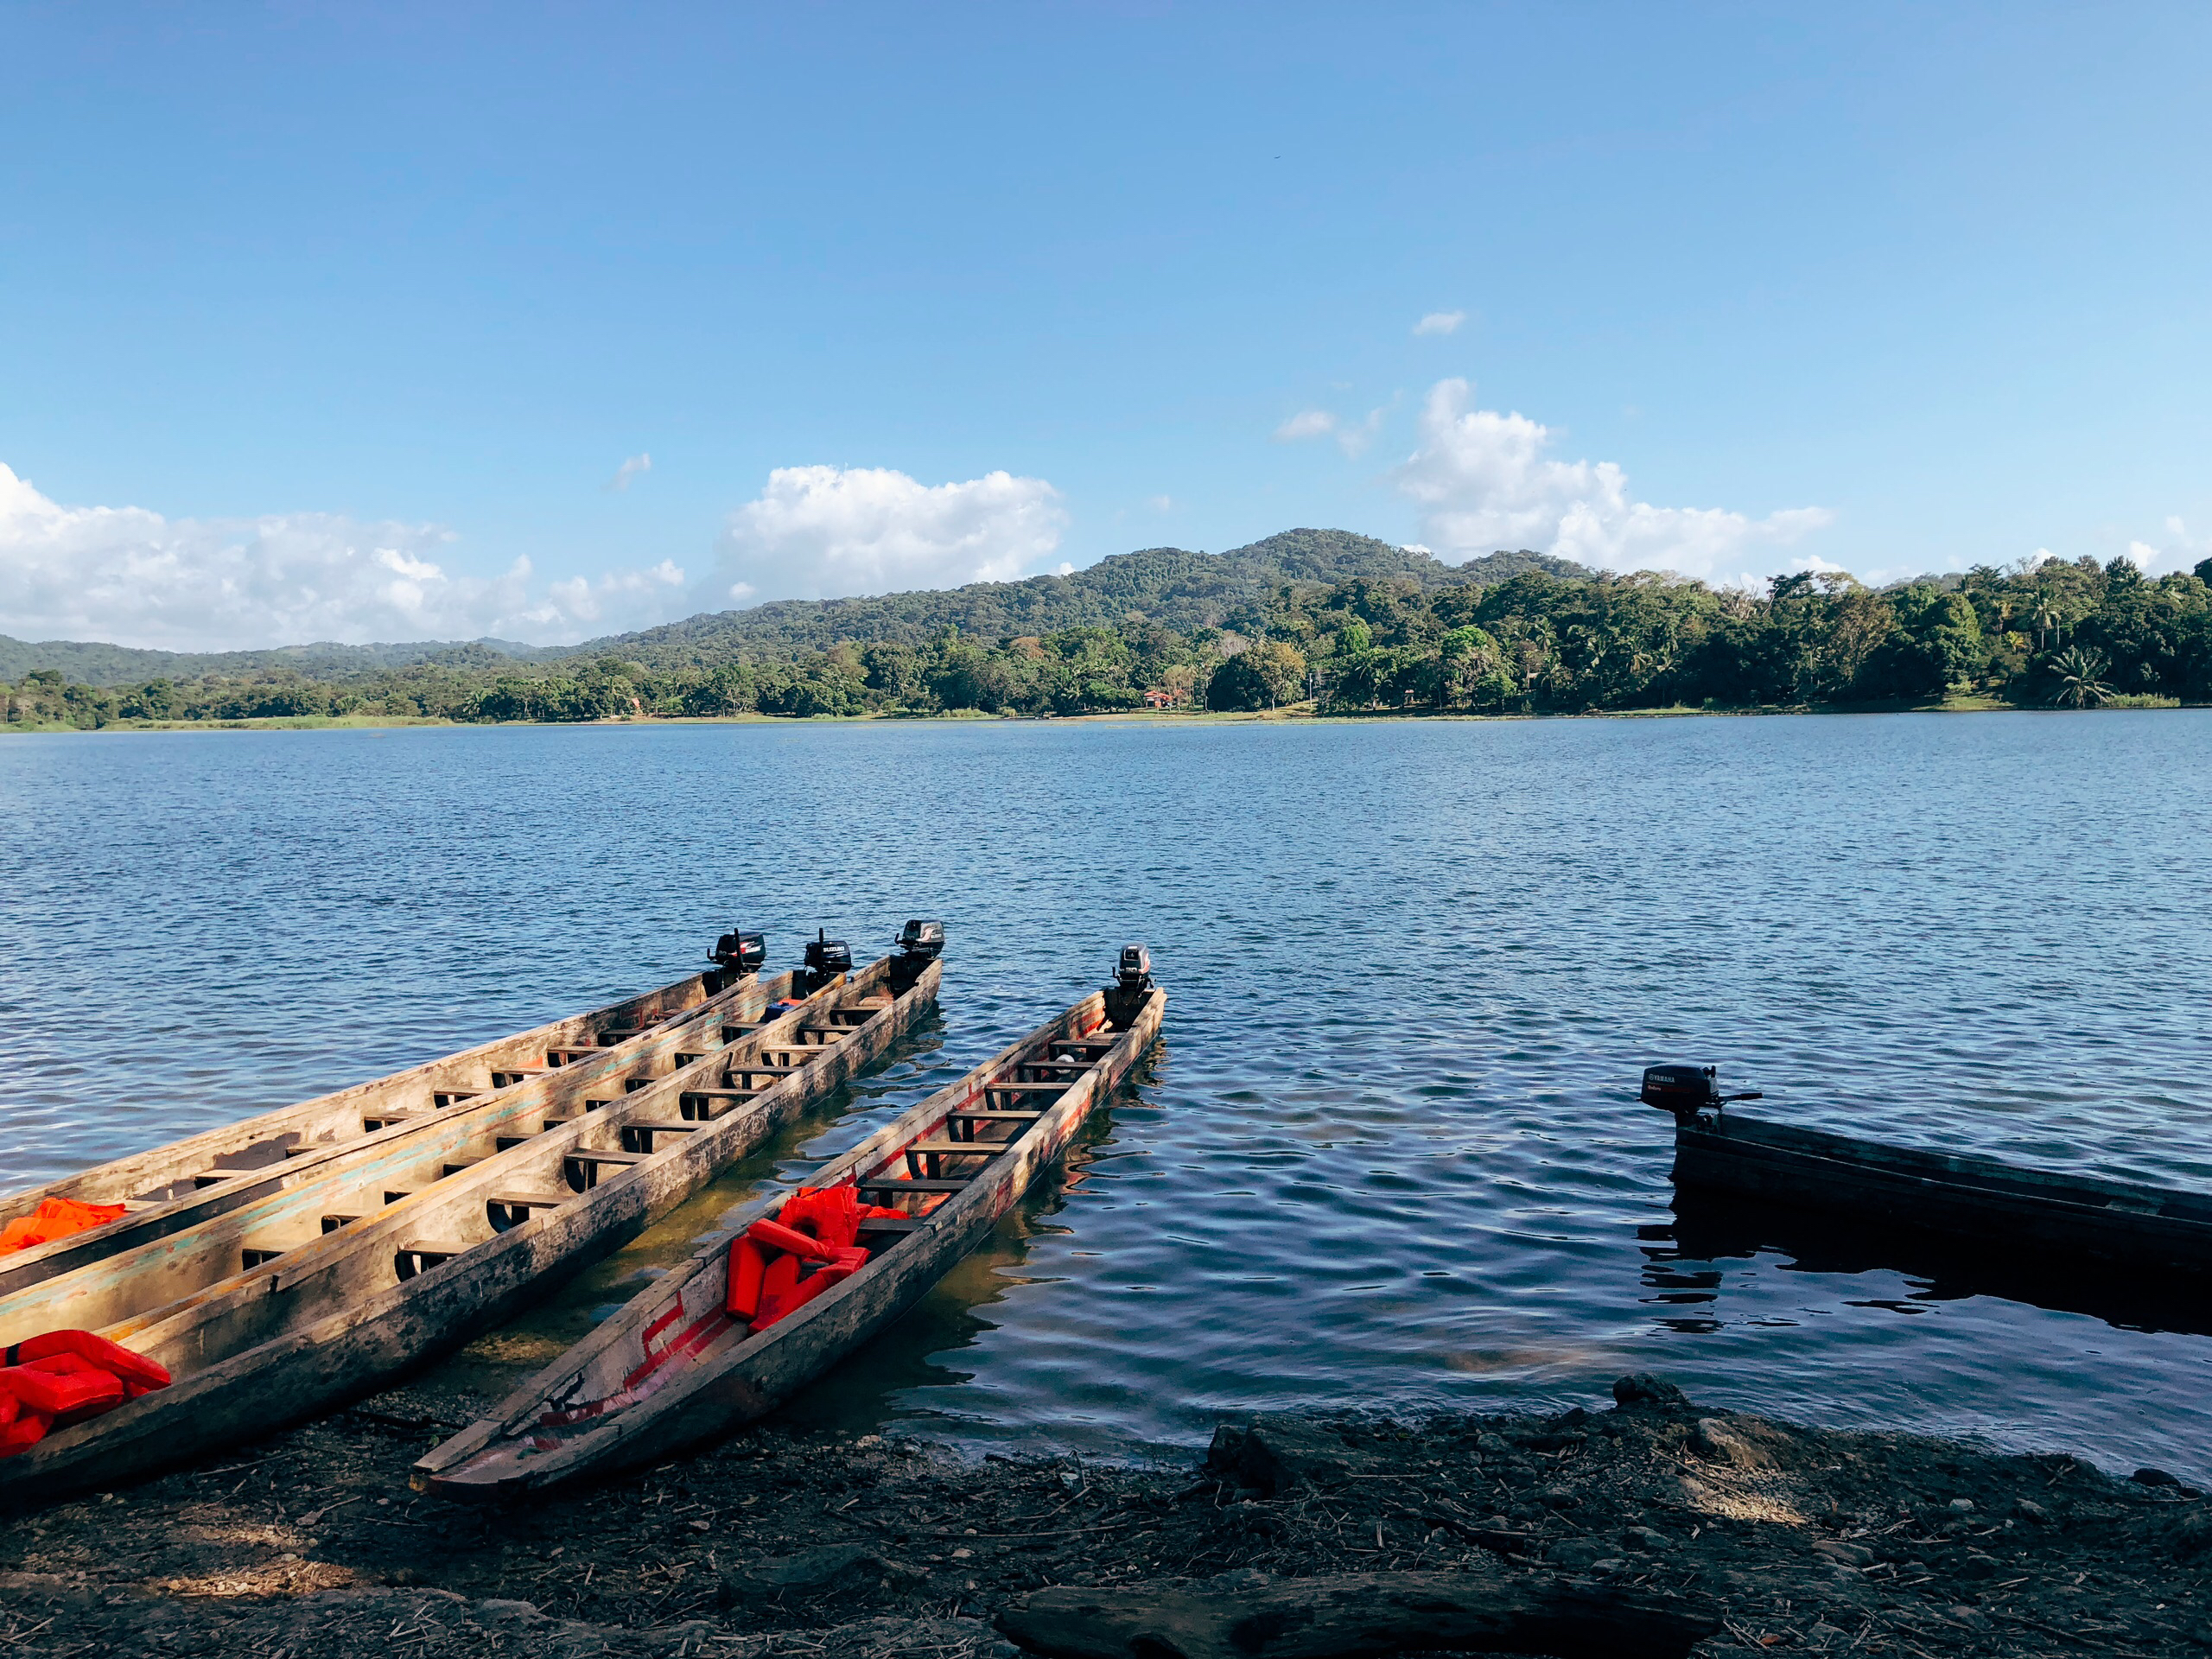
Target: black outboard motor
920 943
1132 984
739 956
826 958
1686 1091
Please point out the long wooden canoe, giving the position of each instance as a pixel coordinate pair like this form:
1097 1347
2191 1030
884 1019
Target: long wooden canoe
2067 1217
675 1368
170 1188
170 1249
331 1306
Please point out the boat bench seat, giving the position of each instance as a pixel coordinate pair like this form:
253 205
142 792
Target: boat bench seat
570 1056
968 1149
1057 1088
532 1200
992 1115
911 1184
507 1075
897 1228
588 1155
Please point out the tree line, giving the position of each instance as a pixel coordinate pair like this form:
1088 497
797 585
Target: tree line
2050 634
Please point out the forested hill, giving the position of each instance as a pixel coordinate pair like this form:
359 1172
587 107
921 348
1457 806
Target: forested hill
88 663
1163 587
1166 587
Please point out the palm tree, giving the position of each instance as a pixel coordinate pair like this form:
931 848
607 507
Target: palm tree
2078 684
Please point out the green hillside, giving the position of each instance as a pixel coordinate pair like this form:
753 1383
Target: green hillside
1162 587
86 662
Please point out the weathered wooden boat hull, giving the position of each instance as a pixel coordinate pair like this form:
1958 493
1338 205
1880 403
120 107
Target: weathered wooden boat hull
364 1328
1941 1193
728 1383
284 1149
155 1266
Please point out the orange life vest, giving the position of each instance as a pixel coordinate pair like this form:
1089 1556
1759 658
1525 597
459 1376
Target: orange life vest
54 1218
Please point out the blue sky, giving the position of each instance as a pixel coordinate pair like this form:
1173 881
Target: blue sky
313 324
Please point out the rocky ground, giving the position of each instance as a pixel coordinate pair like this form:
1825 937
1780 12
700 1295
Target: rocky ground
1648 1526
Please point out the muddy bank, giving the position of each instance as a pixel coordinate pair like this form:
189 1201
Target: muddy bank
1763 1536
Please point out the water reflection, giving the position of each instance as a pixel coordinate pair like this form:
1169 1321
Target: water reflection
1683 1268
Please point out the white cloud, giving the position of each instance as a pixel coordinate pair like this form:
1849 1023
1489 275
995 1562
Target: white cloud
133 577
628 470
1441 322
1484 481
2179 551
829 532
1321 423
1160 503
1313 423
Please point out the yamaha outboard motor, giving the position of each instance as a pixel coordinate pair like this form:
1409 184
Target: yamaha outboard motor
738 957
920 943
1688 1090
826 958
1132 984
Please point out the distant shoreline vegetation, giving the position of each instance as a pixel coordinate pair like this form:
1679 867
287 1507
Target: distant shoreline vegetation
1319 620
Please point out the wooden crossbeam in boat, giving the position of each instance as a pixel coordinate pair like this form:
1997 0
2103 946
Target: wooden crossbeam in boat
588 1155
444 1097
912 1183
1058 1088
979 1115
570 1056
638 1136
519 1204
897 1228
507 1077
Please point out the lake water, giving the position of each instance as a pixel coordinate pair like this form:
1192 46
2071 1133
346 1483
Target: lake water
1389 1155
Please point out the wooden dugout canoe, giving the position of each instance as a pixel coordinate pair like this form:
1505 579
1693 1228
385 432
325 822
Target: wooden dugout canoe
167 1258
337 1316
2074 1218
170 1188
674 1367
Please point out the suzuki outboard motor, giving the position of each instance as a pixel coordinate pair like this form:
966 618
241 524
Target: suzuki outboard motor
739 956
1686 1091
919 944
826 958
1132 984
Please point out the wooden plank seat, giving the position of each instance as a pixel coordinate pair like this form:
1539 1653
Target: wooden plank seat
411 1259
591 1156
507 1077
638 1136
1059 1087
758 1069
986 1115
444 1097
569 1055
932 1154
886 1226
383 1121
911 1184
505 1210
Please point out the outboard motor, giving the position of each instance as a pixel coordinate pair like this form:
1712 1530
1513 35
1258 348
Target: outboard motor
920 943
1132 984
739 956
826 958
1686 1091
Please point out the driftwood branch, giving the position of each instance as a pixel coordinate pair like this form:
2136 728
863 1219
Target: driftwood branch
1355 1616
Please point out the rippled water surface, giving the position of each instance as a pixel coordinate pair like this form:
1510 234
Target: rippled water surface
1388 1154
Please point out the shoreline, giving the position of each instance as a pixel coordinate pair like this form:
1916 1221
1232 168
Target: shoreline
1295 714
1769 1536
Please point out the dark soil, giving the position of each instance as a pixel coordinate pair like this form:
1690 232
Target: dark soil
1791 1539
